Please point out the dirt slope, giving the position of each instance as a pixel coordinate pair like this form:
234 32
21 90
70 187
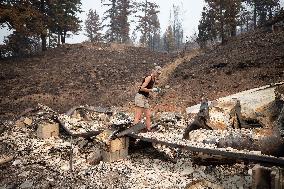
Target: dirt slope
248 61
108 75
94 74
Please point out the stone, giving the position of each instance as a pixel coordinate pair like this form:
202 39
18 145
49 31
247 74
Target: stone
27 184
65 166
20 123
104 118
95 157
17 162
47 130
250 171
77 115
24 174
187 171
28 121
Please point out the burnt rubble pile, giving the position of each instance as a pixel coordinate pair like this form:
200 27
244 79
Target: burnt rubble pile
251 120
223 140
65 161
69 160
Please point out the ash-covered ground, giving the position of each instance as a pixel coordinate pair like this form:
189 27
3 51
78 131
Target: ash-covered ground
65 162
109 75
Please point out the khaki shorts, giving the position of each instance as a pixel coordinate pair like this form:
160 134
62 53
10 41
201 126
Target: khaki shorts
141 101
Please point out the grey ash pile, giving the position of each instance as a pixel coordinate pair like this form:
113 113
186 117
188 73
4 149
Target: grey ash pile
75 162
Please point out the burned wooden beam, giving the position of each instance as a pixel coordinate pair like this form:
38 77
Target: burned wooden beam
264 177
134 129
234 155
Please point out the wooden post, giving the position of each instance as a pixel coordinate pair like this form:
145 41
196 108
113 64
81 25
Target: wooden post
117 150
267 178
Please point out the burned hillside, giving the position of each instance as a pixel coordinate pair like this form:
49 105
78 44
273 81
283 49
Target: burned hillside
70 75
108 75
95 145
250 60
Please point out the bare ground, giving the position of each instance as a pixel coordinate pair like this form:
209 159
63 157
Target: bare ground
109 74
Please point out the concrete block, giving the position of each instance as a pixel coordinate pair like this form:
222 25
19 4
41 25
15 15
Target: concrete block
110 156
28 121
114 156
47 130
118 144
117 150
123 153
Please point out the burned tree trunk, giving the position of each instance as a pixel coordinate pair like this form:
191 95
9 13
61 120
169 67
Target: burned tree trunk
200 121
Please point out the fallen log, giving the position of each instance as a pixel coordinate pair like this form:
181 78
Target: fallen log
228 154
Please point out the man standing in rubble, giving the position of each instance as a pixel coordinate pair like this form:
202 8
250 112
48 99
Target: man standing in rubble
141 98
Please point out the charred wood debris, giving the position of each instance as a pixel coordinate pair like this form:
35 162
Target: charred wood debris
45 149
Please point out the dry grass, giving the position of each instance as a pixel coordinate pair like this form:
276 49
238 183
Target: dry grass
170 68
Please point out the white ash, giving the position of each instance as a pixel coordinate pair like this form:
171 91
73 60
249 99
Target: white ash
170 120
142 172
46 163
98 121
202 138
121 118
76 126
169 152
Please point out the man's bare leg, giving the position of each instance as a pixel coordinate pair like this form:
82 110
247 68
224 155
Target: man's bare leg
148 119
138 115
